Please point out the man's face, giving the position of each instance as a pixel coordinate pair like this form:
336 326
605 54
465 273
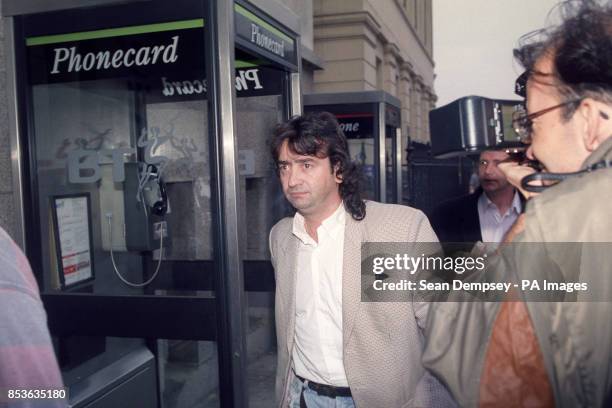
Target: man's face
308 182
556 143
491 178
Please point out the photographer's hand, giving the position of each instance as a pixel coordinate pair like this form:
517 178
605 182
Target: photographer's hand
514 173
517 228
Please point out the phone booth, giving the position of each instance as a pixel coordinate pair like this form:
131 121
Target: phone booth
371 121
147 190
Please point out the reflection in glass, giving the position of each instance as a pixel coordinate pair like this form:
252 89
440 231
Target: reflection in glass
362 153
97 118
187 372
263 204
390 165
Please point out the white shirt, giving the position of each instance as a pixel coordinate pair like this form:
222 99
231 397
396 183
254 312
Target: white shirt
317 351
494 225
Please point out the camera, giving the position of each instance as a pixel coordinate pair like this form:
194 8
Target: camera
472 124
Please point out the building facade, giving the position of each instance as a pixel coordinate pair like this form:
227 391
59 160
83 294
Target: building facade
378 45
363 45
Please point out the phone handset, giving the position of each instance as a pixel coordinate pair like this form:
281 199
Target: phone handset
119 275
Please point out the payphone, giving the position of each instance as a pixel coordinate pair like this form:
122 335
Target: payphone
142 199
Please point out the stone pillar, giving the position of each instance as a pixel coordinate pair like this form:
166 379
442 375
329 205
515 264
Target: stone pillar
390 69
417 109
431 104
426 105
405 92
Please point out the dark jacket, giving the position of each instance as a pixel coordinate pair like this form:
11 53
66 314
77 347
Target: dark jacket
457 220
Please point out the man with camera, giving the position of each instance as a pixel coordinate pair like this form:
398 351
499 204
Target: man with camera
551 351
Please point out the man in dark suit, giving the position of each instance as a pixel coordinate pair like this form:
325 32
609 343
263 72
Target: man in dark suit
484 215
456 220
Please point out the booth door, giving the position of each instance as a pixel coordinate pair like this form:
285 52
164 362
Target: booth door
124 226
262 204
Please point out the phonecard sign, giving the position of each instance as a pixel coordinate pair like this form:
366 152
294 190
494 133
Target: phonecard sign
166 60
151 50
253 31
73 238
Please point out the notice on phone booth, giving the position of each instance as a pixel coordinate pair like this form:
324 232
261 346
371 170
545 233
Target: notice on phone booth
73 230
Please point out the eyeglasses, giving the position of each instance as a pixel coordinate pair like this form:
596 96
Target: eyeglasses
522 123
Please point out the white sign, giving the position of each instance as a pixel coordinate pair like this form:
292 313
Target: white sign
73 233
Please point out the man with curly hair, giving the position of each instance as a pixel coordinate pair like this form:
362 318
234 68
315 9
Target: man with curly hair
333 349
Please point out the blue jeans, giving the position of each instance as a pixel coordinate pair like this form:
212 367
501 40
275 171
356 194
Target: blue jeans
314 400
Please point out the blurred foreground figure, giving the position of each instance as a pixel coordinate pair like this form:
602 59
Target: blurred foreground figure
547 352
27 359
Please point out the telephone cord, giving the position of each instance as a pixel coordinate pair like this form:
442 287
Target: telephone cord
161 254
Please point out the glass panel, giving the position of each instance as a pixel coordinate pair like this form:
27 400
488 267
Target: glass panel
122 164
359 130
405 182
188 373
362 152
390 164
261 196
263 204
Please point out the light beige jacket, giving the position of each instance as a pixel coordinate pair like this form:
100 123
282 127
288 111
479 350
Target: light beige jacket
568 232
382 341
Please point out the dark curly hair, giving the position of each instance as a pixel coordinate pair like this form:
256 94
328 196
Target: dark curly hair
581 47
319 134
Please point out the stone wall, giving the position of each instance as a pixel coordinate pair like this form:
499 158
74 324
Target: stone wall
378 45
